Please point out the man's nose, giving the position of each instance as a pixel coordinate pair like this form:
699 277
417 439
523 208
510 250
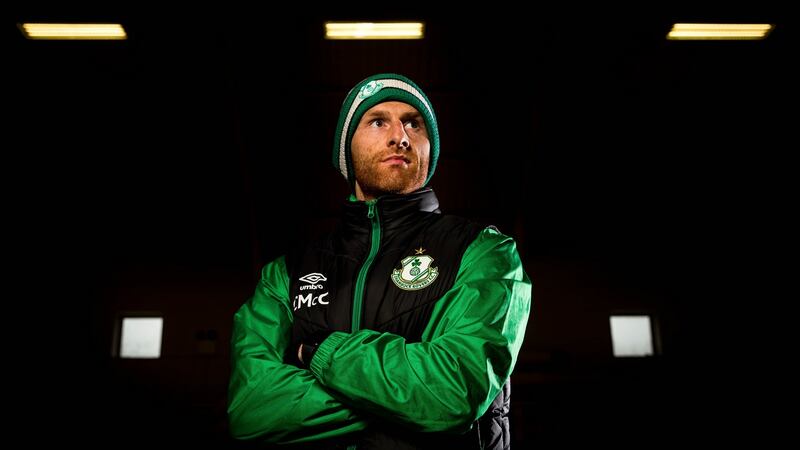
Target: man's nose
398 136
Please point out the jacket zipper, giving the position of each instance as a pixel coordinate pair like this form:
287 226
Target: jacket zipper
358 294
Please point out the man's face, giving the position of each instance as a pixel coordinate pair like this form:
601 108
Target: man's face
391 151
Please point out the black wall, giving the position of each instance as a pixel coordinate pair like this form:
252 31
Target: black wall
637 175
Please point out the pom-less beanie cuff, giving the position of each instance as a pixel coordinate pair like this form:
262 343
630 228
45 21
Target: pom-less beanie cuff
369 92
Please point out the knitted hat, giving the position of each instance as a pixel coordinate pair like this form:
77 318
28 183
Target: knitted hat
383 87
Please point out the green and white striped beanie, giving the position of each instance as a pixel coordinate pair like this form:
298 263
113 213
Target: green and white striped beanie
383 87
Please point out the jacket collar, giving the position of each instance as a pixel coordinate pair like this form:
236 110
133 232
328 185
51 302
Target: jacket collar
394 210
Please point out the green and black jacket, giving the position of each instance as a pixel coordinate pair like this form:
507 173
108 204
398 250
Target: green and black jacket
428 313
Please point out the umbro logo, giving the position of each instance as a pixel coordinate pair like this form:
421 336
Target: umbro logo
312 279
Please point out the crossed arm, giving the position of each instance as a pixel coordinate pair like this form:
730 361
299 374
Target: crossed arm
442 383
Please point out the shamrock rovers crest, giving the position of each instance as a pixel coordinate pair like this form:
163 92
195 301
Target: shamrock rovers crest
416 273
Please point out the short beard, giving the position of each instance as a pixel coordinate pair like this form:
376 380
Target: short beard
374 183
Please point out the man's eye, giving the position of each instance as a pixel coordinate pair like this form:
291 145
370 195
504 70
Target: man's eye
412 124
377 123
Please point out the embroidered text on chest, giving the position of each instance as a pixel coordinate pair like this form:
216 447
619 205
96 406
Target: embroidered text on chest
313 282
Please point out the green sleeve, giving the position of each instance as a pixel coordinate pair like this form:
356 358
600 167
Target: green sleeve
467 352
267 399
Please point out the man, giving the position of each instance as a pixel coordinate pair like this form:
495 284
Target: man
398 330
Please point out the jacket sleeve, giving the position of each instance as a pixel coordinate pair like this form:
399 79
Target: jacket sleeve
267 399
467 352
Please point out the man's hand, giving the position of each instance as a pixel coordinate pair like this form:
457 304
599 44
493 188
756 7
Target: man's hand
306 351
308 346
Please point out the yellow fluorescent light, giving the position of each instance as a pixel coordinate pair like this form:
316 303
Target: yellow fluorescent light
73 31
373 30
719 31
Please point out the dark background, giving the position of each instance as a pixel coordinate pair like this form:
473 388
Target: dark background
638 175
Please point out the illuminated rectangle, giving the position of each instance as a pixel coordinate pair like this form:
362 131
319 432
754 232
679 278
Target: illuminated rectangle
719 31
140 337
631 335
374 30
73 31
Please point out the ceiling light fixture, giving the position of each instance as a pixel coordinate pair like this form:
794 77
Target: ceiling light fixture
73 31
374 30
719 31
